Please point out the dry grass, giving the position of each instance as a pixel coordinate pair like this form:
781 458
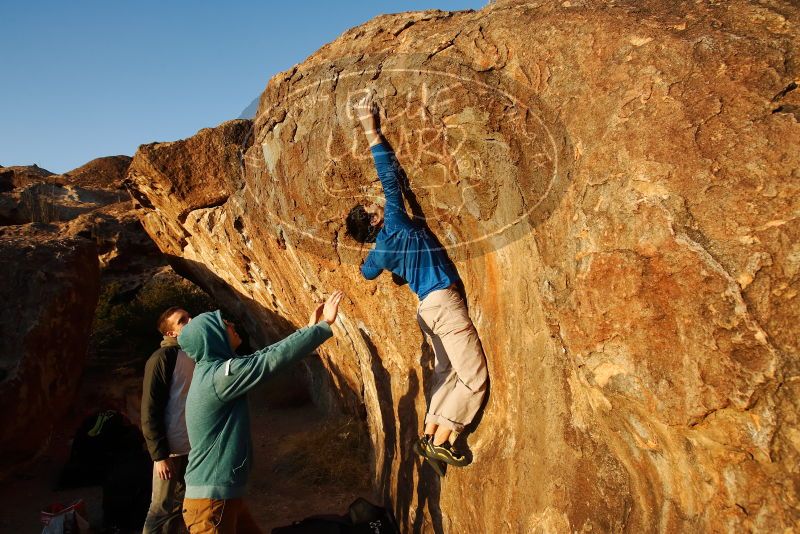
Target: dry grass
334 453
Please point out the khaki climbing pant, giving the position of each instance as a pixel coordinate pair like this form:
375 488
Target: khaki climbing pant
460 374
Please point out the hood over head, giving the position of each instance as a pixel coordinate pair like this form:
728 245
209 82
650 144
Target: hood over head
205 338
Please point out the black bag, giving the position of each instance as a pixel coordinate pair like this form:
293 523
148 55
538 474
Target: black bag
108 450
363 517
101 437
127 489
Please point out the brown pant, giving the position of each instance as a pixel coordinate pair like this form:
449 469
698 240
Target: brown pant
216 516
460 373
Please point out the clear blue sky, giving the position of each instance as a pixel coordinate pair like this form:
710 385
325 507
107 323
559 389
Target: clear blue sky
83 79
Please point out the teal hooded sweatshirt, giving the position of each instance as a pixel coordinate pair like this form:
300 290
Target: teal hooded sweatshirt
217 411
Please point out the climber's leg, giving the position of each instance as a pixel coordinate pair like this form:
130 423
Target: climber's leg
439 396
444 376
442 434
454 330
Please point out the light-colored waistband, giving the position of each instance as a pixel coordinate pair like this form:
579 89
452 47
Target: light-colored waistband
437 294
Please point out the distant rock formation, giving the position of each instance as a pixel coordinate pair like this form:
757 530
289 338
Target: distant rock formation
50 287
90 201
32 194
20 176
618 184
106 173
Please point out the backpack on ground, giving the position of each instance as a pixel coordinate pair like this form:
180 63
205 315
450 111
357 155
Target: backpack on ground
60 519
127 489
108 450
100 438
363 517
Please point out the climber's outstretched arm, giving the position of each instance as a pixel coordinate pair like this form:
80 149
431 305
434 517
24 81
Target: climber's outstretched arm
385 162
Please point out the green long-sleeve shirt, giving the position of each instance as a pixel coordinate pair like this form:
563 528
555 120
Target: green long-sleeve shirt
217 412
155 396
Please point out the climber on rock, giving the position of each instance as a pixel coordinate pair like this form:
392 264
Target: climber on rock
411 252
218 416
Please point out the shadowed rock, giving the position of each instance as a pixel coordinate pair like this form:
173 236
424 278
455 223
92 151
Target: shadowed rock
50 288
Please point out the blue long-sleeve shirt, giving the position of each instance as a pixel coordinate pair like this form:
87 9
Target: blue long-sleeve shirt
403 247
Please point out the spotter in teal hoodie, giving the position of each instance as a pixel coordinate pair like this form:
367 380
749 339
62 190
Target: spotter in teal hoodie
217 412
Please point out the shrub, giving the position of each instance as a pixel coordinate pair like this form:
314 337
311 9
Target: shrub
125 325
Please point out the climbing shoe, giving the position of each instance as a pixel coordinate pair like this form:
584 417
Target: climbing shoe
421 446
445 453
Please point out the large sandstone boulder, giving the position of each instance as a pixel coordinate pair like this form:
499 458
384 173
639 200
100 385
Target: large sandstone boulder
188 177
50 288
618 185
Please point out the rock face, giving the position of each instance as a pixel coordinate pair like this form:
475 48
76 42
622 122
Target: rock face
618 186
52 276
50 288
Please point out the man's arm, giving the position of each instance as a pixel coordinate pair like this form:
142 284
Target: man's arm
155 394
370 269
382 155
386 166
239 375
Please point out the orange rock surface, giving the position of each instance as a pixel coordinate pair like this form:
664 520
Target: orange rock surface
618 186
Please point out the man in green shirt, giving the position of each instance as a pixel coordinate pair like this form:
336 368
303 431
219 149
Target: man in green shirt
218 417
167 375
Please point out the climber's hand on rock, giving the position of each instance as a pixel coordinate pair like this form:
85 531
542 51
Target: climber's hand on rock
366 112
331 307
316 315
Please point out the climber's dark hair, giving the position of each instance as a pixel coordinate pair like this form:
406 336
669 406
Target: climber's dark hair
359 225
